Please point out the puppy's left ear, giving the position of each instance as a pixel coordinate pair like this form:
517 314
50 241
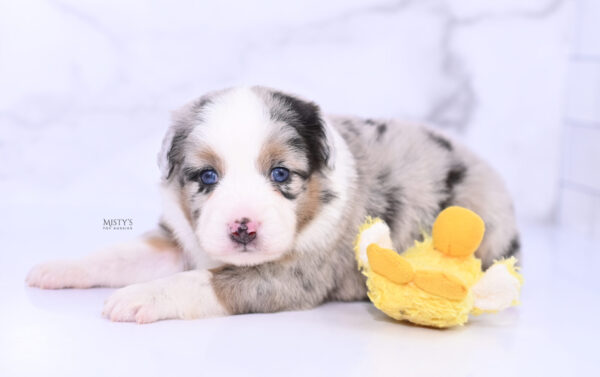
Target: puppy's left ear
318 134
330 143
305 116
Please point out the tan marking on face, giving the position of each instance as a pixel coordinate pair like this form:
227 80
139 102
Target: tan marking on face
309 202
275 150
184 207
208 157
269 153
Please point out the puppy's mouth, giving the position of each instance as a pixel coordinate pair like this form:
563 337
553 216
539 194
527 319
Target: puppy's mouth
250 247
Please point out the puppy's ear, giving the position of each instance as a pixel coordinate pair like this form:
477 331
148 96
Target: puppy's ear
170 157
172 153
306 118
165 164
330 135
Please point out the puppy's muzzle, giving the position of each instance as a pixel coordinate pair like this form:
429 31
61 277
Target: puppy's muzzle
243 231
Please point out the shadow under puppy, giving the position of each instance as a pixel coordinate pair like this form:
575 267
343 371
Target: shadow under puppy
263 197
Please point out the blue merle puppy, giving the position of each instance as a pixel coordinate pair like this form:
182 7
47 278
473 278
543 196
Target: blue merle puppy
263 197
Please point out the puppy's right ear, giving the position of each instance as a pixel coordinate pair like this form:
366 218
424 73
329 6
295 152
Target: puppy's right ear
165 166
171 155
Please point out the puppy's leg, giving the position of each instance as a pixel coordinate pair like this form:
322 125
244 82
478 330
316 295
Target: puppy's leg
186 295
273 287
226 290
152 256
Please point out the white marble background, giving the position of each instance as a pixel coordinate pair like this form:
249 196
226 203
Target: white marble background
579 206
86 86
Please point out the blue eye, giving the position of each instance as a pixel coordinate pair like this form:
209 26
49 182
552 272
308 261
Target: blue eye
209 177
280 174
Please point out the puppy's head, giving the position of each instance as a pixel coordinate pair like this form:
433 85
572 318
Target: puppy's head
250 166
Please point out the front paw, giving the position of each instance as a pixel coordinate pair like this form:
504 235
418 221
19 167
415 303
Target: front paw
141 303
57 275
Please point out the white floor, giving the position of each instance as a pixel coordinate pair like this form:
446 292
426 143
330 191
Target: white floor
553 332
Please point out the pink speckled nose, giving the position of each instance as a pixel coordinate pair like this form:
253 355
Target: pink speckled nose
243 231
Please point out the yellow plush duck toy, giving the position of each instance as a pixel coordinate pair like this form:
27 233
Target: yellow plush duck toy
437 282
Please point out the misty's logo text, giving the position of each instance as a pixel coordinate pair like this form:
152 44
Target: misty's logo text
117 224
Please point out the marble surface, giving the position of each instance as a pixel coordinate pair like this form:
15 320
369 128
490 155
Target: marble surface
88 86
61 333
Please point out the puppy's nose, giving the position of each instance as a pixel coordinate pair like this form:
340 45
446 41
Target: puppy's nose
243 231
